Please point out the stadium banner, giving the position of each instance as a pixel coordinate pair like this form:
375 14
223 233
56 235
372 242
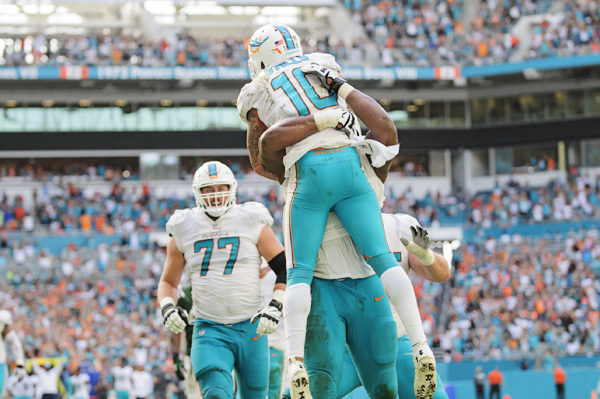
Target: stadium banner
241 73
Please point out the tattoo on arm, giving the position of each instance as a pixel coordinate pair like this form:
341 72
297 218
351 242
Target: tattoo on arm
252 142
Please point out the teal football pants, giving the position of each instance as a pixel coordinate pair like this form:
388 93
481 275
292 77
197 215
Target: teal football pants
217 349
332 179
355 312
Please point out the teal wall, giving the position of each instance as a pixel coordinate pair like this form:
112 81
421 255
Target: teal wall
524 385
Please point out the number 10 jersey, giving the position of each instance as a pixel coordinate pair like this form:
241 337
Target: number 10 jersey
222 260
283 90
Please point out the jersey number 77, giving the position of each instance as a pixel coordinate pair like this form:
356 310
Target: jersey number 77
222 243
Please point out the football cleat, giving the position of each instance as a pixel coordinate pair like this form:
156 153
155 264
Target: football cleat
425 377
298 380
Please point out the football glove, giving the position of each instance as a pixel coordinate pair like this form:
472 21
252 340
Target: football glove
419 246
338 118
270 315
179 368
20 371
328 77
348 123
175 318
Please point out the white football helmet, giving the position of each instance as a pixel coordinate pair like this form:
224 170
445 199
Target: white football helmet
5 319
272 45
210 174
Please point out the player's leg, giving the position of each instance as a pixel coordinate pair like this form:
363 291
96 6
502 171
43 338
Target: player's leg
325 338
305 216
192 388
350 379
372 339
213 359
361 217
405 370
276 360
3 376
251 361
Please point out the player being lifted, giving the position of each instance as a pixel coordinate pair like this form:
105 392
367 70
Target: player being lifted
322 173
8 335
341 273
219 244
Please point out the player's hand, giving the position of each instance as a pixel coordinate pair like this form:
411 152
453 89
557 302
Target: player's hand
180 369
348 123
175 318
419 246
328 77
269 317
20 371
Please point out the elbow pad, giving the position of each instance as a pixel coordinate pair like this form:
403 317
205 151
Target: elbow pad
277 264
15 347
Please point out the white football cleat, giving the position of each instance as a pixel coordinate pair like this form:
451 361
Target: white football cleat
298 380
425 376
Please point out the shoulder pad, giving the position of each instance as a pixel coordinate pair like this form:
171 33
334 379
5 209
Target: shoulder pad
250 94
176 219
260 211
5 317
405 221
327 60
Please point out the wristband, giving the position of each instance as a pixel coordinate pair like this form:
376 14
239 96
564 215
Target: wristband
327 119
167 301
345 90
427 258
278 296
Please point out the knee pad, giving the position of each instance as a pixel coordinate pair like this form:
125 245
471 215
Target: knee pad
300 274
217 393
384 349
383 262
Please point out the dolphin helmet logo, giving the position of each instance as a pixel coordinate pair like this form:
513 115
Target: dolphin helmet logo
256 43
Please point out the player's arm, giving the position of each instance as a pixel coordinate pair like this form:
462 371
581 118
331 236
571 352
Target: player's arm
175 343
381 126
274 168
271 249
14 343
175 318
425 263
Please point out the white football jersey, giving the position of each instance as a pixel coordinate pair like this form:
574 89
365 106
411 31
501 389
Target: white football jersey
122 378
81 386
339 258
5 321
222 260
282 91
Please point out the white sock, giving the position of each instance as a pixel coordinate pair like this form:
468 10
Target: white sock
400 291
295 312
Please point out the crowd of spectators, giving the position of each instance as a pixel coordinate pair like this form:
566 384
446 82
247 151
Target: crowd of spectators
415 32
63 205
576 32
512 297
511 203
107 306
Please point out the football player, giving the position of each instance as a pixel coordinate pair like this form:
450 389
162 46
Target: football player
340 270
219 244
322 172
9 336
122 376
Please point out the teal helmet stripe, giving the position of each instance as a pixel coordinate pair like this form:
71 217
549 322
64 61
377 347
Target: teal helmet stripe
289 43
212 169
